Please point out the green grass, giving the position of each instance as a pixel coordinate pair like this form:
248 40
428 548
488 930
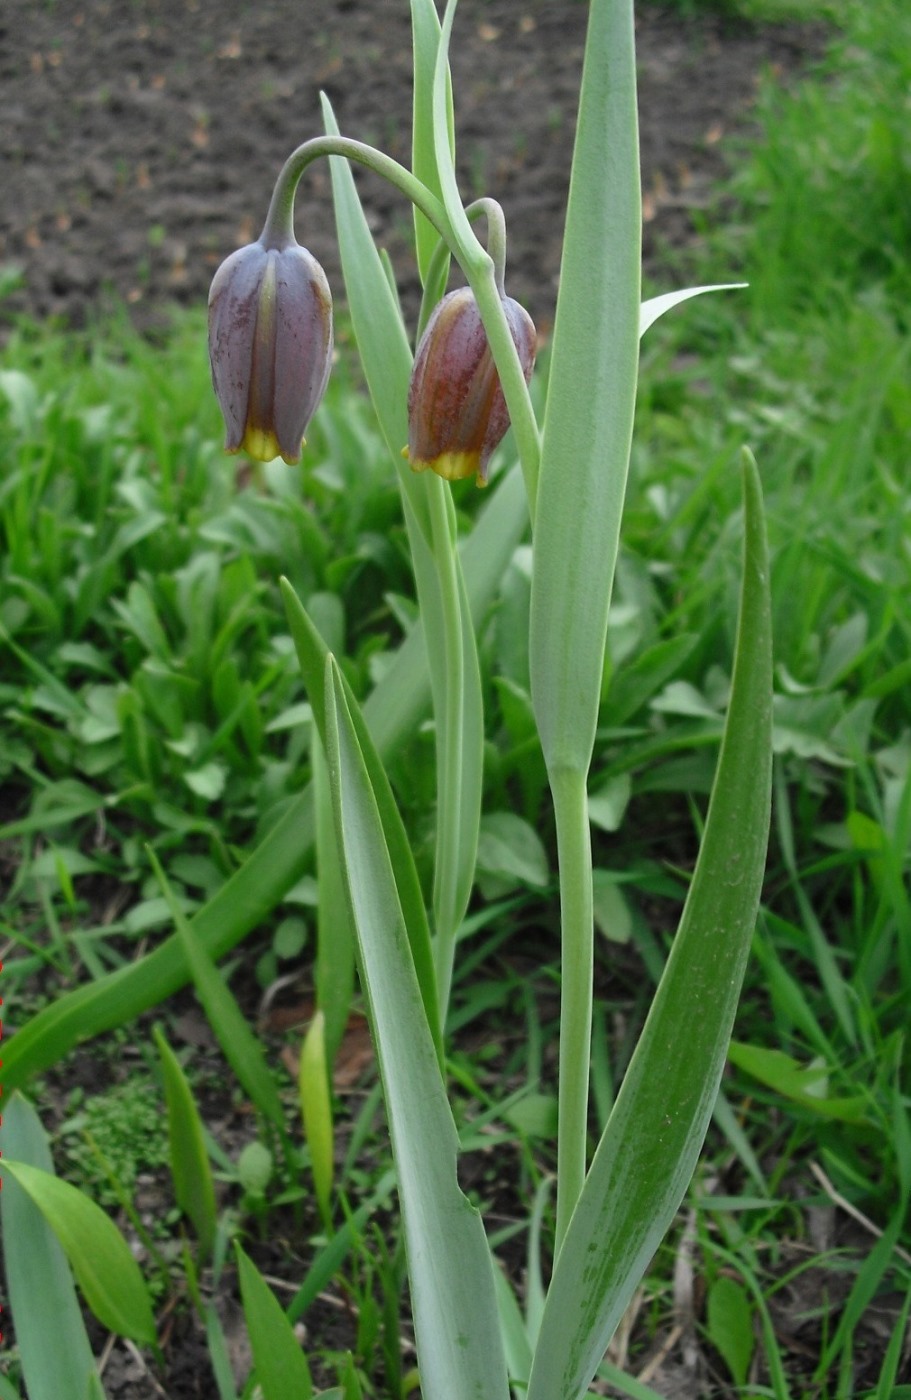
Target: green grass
147 694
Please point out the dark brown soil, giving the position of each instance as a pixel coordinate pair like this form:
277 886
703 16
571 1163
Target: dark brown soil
140 141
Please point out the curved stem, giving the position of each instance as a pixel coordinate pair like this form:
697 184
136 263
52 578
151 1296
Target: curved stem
279 225
483 270
568 787
496 235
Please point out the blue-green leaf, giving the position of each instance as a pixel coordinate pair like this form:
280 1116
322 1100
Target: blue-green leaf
450 1266
588 420
53 1346
652 1140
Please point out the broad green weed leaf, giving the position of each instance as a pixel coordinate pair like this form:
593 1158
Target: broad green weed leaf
730 1326
613 917
21 395
608 803
450 1265
391 713
105 1269
652 1140
802 1084
190 1170
512 851
282 1372
42 1294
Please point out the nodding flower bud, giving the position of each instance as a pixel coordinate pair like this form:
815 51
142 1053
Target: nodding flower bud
270 346
456 410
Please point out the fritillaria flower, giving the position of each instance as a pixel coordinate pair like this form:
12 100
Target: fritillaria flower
456 410
270 346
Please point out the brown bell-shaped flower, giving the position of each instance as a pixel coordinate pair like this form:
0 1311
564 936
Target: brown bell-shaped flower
456 410
270 346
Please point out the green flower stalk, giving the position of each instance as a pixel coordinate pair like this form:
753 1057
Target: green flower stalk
270 344
457 414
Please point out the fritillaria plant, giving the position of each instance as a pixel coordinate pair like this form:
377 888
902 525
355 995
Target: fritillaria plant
452 404
448 407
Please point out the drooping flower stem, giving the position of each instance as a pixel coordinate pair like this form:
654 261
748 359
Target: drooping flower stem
496 236
484 270
570 798
280 218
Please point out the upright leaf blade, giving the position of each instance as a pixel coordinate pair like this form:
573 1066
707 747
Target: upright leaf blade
240 1046
451 1270
42 1293
591 395
312 655
190 1170
653 1137
425 27
281 1366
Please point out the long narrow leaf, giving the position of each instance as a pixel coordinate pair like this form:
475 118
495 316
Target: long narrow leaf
53 1346
425 28
240 1046
281 1366
312 655
455 679
194 1187
381 340
653 1137
316 1110
450 1266
654 307
334 970
591 395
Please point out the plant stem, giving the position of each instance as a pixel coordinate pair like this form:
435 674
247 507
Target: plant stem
482 280
568 786
450 733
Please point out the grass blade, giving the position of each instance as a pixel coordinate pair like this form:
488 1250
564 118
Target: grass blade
316 1111
239 1045
282 1372
194 1187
